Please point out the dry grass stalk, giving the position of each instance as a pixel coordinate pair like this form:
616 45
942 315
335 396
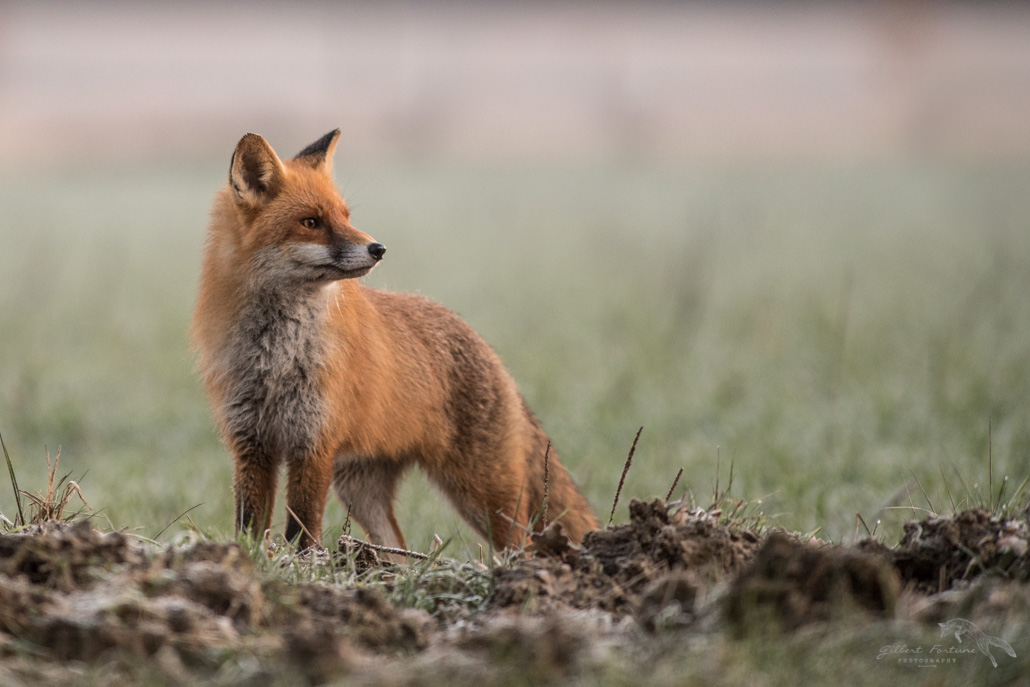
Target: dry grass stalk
674 483
51 505
622 480
547 455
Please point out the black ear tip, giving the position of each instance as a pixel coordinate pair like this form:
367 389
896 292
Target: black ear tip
330 137
319 148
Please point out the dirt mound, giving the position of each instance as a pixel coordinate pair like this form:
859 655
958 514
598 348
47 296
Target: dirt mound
77 594
795 584
790 584
936 553
64 557
362 615
73 596
665 554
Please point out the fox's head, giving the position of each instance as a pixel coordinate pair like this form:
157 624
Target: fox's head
290 218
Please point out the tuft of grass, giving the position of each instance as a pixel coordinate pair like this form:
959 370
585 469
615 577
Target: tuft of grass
51 504
446 588
740 513
1000 504
1018 502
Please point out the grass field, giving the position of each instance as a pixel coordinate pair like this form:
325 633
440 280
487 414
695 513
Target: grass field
833 334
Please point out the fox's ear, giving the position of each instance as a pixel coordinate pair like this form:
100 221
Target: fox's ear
319 155
256 173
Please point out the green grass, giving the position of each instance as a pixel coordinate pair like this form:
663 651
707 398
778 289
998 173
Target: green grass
831 333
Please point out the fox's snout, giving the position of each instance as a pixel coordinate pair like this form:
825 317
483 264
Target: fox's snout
377 251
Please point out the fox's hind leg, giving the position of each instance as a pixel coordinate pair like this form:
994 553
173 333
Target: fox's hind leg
497 503
367 487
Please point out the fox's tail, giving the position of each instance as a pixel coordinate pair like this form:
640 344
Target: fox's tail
985 642
552 494
1003 645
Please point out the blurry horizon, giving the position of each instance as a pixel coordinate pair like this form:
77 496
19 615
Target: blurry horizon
103 82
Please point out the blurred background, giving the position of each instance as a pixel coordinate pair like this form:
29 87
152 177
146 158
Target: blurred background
713 82
785 237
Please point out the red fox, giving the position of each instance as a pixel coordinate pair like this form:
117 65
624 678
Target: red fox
349 386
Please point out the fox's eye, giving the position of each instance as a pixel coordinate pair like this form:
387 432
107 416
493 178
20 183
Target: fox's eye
309 222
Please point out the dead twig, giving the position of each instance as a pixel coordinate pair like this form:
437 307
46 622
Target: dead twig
388 549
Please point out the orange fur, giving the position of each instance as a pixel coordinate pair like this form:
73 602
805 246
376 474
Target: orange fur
349 386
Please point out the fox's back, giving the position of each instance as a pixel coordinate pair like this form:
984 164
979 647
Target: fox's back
406 374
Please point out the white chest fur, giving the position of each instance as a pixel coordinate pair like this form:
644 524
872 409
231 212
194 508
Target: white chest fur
273 360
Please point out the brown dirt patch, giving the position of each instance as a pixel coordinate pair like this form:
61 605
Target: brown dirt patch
79 595
790 584
663 555
73 596
938 552
64 557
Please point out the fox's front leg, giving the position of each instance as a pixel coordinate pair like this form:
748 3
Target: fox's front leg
254 484
307 487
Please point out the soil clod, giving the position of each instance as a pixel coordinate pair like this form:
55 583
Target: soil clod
937 553
790 584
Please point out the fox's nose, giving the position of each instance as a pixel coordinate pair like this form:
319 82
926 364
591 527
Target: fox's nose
376 250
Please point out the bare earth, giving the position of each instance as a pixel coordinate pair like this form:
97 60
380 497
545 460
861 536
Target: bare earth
74 599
